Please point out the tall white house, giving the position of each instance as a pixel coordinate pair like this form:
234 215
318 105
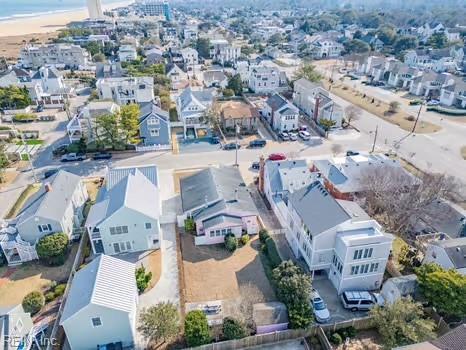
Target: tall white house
95 9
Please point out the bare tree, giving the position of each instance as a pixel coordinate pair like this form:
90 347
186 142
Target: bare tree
399 200
336 149
352 113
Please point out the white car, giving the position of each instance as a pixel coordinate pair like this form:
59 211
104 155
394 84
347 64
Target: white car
304 135
319 308
433 103
293 136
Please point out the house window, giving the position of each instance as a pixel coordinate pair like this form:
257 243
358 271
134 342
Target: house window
368 253
212 233
217 232
154 132
118 230
148 225
96 322
229 230
357 254
45 228
153 121
224 232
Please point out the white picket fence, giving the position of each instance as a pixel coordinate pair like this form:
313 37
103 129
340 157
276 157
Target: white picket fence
153 148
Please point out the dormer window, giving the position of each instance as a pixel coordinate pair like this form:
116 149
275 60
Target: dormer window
153 121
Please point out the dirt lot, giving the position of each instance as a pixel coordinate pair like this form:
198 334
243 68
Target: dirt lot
155 266
11 45
380 108
364 340
213 273
16 282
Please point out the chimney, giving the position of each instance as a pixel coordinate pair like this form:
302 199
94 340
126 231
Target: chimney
48 187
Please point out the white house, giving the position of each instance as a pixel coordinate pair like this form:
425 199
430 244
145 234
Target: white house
454 94
190 58
59 55
223 52
126 215
326 48
315 102
448 253
402 75
125 91
176 75
430 84
438 60
214 78
190 34
51 81
263 79
192 105
127 53
101 306
281 114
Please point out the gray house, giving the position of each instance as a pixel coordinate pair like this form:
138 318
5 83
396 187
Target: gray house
101 305
154 125
126 216
15 328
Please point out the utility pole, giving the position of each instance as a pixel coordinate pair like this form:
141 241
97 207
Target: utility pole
236 144
375 138
417 118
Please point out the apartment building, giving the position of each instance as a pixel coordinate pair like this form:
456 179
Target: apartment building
59 55
125 91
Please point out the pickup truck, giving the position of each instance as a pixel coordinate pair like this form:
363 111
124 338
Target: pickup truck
72 157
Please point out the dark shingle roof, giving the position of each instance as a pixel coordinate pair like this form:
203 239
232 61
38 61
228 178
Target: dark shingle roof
276 102
453 340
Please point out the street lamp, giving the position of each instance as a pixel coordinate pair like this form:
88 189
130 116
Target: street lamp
237 130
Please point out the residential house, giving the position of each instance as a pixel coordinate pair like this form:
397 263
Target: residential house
438 60
263 79
402 75
343 175
242 68
57 206
16 328
316 103
21 78
336 238
325 48
125 91
270 317
58 55
373 41
191 106
154 125
452 340
126 215
51 81
154 56
176 75
109 70
127 53
448 253
223 52
430 84
84 124
190 58
281 114
238 113
214 78
219 203
190 34
454 94
100 310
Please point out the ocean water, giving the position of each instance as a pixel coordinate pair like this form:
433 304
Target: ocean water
12 9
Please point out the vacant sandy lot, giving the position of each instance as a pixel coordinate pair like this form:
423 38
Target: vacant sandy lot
213 273
16 282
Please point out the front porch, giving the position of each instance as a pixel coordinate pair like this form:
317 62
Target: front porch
16 250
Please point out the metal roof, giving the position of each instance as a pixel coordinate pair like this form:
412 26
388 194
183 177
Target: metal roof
106 281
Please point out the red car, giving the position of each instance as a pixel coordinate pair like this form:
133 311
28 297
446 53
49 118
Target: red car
277 156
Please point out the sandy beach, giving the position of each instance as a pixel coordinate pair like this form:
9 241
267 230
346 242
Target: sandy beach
14 32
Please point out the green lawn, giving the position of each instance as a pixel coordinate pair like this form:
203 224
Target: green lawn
30 142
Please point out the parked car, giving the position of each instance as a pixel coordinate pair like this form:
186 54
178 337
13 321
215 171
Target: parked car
293 136
102 155
255 165
303 127
230 146
71 157
377 83
351 153
40 108
259 143
415 102
276 156
215 140
50 172
304 135
284 136
319 308
433 103
60 150
360 300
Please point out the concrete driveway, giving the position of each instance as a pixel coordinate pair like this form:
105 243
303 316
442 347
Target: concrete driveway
331 298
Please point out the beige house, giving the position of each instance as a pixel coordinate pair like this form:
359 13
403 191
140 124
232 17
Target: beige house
239 113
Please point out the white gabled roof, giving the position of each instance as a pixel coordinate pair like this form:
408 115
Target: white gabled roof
106 281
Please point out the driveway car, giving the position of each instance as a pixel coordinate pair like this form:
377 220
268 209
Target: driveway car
304 135
72 157
319 308
360 300
259 143
102 155
293 136
284 136
276 156
230 146
433 103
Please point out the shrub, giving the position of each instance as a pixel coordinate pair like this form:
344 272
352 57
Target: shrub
245 239
33 302
189 225
49 297
410 118
196 329
336 339
272 253
142 279
24 117
394 106
233 329
231 243
52 248
349 332
59 290
263 235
